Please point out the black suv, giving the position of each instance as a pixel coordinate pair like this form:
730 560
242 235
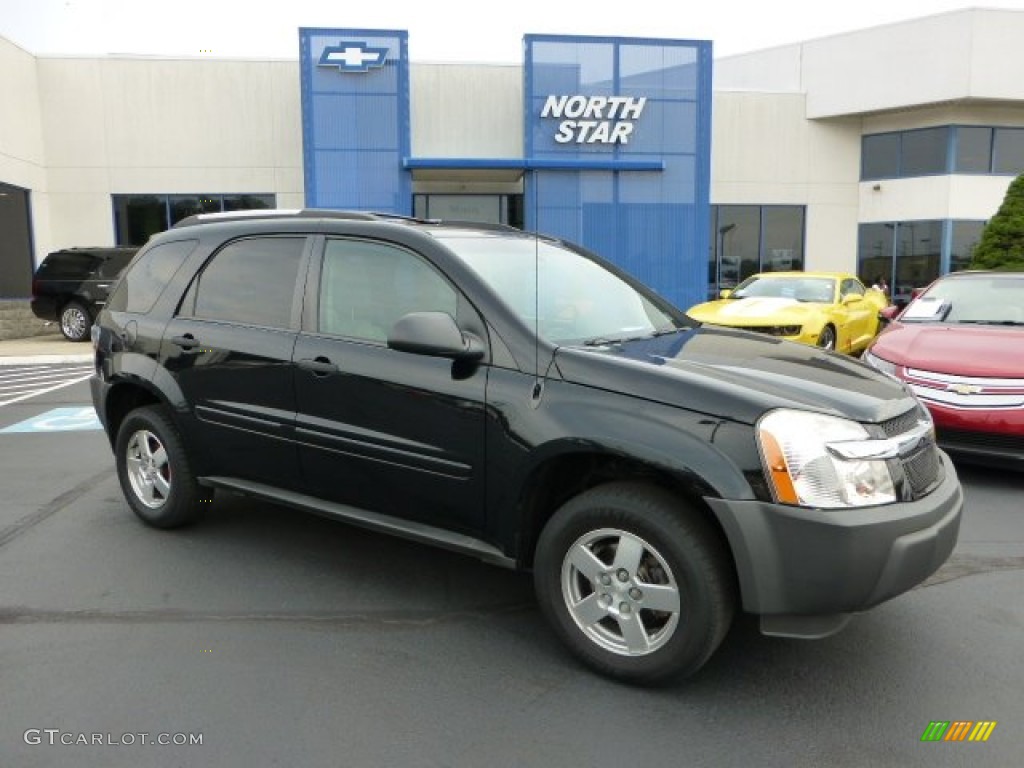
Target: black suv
72 285
519 399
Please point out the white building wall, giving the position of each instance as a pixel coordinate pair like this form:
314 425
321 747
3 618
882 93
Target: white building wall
22 159
22 149
765 152
466 111
787 127
122 126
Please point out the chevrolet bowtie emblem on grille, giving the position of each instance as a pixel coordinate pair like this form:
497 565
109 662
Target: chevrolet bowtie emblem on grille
353 57
964 389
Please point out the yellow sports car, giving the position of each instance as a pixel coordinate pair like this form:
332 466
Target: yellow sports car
832 310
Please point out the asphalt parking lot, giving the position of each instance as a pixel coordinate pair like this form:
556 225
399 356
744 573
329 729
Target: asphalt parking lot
278 638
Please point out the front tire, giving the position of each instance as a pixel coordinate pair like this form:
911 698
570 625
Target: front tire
635 583
154 471
827 338
75 321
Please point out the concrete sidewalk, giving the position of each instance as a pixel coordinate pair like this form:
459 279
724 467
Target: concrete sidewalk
44 349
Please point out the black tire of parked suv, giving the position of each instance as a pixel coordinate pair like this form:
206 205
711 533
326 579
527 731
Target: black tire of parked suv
75 321
611 554
154 470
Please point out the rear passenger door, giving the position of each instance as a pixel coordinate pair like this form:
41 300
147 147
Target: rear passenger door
229 348
379 429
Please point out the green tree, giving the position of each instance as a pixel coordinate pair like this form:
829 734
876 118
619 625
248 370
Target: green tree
1002 241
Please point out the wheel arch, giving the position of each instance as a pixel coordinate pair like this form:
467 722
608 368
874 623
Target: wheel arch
563 475
124 397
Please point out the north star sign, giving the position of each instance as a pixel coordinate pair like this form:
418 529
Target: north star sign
353 57
594 119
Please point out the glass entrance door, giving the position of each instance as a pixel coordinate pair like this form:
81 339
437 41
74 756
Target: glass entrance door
16 265
487 209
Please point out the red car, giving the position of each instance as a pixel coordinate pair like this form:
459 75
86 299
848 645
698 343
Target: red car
960 346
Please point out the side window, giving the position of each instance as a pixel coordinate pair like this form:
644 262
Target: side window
366 287
851 286
68 266
249 281
141 286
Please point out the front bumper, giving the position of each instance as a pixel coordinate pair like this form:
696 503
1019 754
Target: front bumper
803 570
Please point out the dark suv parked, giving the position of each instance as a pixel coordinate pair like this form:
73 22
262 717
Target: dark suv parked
518 399
72 285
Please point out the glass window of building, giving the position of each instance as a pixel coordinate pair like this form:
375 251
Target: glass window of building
875 252
907 254
973 149
739 243
966 235
783 238
746 239
918 256
924 152
880 156
136 217
1008 151
489 209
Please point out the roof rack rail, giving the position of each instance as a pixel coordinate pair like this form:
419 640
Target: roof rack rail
271 213
328 213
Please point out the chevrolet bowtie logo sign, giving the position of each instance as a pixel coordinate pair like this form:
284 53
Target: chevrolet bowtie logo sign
964 389
353 57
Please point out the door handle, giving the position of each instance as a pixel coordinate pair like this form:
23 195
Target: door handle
188 341
319 366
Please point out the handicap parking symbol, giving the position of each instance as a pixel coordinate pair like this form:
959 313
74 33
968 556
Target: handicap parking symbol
58 420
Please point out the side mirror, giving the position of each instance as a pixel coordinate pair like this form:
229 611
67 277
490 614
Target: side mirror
724 294
851 298
434 334
890 313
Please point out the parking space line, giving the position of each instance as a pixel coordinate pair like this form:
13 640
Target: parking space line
37 392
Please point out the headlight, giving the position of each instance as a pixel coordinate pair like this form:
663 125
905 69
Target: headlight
803 471
880 364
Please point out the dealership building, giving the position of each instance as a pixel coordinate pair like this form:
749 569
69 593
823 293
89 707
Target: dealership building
881 151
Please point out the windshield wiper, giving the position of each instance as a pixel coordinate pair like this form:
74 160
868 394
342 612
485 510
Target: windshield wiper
603 341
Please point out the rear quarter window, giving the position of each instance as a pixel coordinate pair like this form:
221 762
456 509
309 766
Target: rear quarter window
68 265
145 280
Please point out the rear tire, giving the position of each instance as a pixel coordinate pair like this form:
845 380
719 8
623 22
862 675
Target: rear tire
154 471
75 321
635 583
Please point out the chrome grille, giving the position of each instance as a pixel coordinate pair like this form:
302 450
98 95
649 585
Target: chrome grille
923 470
904 422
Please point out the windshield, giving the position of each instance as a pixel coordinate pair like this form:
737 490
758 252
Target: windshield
977 299
579 301
799 288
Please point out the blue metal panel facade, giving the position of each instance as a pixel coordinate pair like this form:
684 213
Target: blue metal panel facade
653 224
355 119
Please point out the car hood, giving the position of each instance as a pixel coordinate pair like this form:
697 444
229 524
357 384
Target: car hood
961 350
755 310
737 375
